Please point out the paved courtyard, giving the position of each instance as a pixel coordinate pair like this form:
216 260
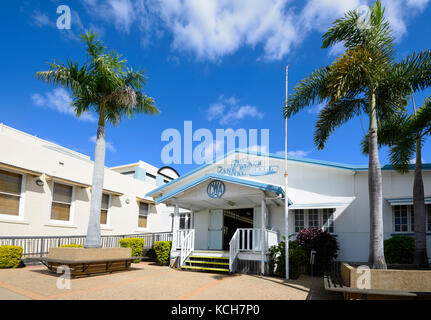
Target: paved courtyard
146 280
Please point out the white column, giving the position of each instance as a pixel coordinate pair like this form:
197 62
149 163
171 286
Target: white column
176 227
262 217
192 217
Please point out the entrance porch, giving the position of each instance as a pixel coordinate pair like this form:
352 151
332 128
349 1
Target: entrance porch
228 228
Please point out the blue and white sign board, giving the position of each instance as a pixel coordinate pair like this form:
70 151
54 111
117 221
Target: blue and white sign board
246 167
216 189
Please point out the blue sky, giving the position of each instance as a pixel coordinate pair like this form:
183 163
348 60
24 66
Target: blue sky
219 63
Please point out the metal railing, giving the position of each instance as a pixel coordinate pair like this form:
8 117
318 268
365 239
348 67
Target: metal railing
39 246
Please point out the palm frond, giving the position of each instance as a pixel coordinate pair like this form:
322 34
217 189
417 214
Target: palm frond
307 92
333 116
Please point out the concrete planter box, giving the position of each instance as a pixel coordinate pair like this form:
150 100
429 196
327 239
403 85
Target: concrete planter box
81 254
83 261
391 279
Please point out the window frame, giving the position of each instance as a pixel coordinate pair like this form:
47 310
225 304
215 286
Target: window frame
306 222
21 202
71 209
139 215
108 212
409 219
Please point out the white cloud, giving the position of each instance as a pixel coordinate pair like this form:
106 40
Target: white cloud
108 145
229 111
59 100
41 19
211 29
297 153
120 13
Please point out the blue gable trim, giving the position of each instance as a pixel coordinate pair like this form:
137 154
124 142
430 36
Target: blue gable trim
247 183
342 166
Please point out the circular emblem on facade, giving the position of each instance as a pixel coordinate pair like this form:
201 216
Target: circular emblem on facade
216 189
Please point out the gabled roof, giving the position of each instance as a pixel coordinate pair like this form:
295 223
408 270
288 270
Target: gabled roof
342 166
247 183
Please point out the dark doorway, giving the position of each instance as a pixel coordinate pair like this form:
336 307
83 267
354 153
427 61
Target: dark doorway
234 219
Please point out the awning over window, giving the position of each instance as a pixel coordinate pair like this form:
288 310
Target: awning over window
405 201
112 193
67 181
317 205
151 202
19 169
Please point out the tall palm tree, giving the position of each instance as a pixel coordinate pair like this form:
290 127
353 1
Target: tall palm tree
405 135
360 81
104 85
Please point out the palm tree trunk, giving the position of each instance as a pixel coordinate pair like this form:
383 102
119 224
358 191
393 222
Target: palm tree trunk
93 238
377 257
421 257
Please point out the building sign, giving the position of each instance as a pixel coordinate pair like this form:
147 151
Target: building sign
216 189
245 167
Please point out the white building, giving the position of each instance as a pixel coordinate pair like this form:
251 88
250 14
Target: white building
226 198
45 191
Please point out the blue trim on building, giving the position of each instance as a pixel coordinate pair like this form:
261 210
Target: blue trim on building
343 166
246 183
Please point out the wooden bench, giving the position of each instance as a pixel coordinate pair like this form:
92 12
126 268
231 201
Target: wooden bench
89 267
333 282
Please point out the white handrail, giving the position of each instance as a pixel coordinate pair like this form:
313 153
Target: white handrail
187 245
246 240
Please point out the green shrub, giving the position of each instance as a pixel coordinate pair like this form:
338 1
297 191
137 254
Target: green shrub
399 250
298 261
163 251
10 256
71 246
137 245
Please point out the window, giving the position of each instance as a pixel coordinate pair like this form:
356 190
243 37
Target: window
144 209
299 220
328 220
10 193
61 202
403 218
105 208
321 218
313 218
184 221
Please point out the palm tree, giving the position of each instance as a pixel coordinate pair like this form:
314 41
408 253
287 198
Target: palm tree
361 81
405 135
105 85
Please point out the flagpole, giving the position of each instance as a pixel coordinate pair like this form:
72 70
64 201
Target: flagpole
286 198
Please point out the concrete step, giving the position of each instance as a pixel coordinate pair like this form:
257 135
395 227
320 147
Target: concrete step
207 262
204 269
